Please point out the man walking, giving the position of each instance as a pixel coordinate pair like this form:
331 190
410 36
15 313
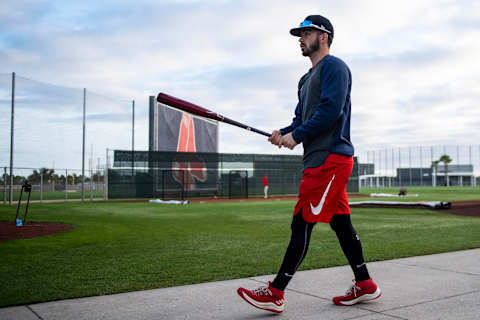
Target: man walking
322 124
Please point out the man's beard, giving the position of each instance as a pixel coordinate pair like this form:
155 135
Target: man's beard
309 50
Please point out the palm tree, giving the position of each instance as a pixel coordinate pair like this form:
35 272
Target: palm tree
446 160
435 170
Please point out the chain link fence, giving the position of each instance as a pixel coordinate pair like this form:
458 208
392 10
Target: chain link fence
49 126
421 166
54 185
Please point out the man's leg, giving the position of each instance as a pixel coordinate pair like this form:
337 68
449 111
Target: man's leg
271 297
364 288
351 245
296 251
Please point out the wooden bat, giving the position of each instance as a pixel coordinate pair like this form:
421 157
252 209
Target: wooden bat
203 112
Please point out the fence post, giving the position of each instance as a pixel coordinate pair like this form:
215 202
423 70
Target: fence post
83 143
91 173
399 166
246 181
41 187
230 184
433 169
96 182
163 183
393 165
470 162
91 185
386 163
380 163
105 177
66 184
133 126
4 184
421 167
133 141
410 164
12 131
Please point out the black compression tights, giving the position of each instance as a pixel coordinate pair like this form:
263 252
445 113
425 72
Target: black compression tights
300 240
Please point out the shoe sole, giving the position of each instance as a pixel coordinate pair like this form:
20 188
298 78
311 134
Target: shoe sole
268 306
362 298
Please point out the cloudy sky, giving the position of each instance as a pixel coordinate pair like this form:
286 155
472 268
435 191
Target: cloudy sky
415 66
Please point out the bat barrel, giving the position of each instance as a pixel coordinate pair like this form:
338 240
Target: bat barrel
203 112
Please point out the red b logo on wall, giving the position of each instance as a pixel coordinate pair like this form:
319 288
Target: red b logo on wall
188 172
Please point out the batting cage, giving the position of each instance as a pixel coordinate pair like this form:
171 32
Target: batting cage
185 175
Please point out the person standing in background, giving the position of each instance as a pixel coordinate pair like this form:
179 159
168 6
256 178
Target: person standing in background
265 186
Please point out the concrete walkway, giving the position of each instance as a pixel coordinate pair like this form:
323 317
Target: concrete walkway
441 286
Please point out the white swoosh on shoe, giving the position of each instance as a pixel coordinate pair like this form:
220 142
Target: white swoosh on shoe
316 210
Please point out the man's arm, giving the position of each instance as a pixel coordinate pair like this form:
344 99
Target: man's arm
276 136
335 81
296 122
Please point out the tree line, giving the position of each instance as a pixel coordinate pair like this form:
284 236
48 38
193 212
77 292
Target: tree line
50 176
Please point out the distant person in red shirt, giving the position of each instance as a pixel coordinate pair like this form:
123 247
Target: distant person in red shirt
265 186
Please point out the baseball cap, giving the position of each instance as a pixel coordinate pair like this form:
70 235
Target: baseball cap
316 22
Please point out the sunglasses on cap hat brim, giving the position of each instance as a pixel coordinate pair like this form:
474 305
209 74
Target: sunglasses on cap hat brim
307 24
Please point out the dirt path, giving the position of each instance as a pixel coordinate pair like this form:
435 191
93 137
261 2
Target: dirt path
9 230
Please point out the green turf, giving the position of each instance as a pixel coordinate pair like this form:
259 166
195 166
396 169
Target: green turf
120 247
428 193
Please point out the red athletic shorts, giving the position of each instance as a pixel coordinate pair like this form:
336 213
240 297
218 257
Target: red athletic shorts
323 189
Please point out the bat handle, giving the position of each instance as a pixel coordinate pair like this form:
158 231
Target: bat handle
259 131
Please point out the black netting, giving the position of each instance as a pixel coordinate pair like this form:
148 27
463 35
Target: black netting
238 184
185 175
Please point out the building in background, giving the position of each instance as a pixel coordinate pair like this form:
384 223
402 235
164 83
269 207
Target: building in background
457 175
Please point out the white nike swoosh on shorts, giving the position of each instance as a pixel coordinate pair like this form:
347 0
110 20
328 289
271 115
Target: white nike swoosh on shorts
316 210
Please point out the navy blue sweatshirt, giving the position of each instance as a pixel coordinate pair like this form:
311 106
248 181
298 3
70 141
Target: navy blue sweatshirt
322 115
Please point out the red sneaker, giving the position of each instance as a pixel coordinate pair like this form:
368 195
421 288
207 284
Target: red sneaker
266 298
359 291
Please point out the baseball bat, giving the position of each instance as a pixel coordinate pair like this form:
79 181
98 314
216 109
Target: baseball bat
203 112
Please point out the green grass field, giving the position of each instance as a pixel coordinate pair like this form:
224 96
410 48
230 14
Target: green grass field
119 247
